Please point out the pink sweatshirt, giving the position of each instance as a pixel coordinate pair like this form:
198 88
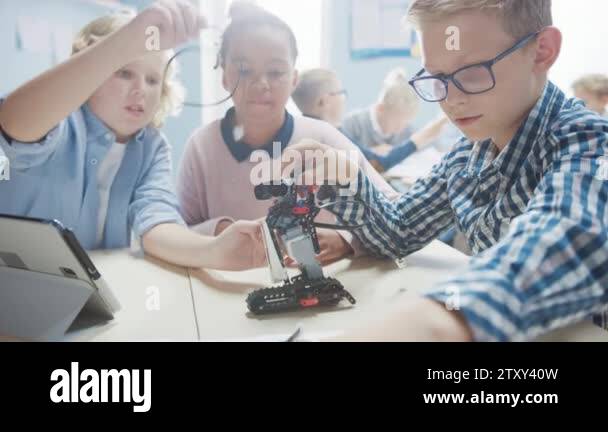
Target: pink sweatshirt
213 186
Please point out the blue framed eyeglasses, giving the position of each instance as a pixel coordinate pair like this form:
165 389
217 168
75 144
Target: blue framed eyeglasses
473 79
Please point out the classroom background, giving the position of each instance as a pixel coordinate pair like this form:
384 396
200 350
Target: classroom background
360 39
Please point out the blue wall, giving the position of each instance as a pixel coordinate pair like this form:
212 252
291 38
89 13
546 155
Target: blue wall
18 66
363 78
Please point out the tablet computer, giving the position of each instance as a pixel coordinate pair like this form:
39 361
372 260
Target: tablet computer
46 280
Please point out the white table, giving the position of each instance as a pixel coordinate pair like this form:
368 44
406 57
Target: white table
156 301
219 298
210 305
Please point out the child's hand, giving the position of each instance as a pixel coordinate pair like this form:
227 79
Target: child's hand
333 247
222 226
239 247
319 164
177 21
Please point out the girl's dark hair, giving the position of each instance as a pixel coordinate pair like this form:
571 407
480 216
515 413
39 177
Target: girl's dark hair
246 17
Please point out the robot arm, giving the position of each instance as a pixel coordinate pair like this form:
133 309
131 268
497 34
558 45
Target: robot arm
290 222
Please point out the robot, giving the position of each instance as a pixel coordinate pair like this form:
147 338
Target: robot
291 222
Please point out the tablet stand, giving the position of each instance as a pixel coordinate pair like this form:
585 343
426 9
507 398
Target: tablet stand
43 306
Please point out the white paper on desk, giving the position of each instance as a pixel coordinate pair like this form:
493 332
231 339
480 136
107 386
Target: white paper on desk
34 35
418 165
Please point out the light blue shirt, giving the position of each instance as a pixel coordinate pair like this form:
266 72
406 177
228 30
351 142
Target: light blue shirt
57 179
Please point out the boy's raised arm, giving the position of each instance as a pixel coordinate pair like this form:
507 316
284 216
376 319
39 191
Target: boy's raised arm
32 110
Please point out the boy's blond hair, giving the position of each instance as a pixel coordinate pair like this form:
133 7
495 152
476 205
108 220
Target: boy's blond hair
312 85
519 17
172 93
596 84
397 94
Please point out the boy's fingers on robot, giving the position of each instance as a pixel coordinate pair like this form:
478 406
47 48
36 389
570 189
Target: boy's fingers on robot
310 162
325 175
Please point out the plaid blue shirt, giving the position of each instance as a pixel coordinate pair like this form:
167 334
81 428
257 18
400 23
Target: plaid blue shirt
535 216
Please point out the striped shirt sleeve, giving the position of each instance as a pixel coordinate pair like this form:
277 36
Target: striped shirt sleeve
397 228
551 270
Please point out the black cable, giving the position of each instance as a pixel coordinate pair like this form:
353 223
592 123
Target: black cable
199 105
